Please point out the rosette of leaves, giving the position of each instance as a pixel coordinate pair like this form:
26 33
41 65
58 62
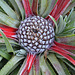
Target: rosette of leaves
12 55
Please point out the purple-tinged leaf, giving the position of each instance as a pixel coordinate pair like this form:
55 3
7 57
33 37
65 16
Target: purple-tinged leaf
35 7
59 8
66 39
44 67
28 11
26 69
69 7
64 46
56 64
36 65
19 4
58 48
66 56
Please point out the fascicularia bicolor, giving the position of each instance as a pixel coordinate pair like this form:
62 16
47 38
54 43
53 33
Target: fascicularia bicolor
36 34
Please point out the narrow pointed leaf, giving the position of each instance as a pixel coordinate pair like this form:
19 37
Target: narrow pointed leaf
29 62
8 45
70 65
36 66
19 4
7 28
8 9
62 25
54 23
10 65
66 39
66 56
50 5
24 62
69 7
10 41
65 46
15 7
50 68
56 64
5 54
35 7
65 68
59 8
60 48
15 71
28 11
44 67
43 6
1 22
8 20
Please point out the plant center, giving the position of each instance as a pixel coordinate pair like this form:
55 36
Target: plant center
35 34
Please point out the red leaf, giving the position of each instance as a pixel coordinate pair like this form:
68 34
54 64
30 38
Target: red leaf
28 65
27 8
36 65
66 56
7 28
35 7
62 50
9 31
59 8
65 46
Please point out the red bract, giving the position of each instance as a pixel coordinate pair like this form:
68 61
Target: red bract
59 48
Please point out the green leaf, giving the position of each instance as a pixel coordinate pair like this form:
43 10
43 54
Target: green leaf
15 7
2 46
44 67
5 54
43 6
71 12
64 67
71 24
66 39
69 30
15 71
54 23
69 7
8 20
8 45
50 68
61 25
8 9
48 8
10 41
1 10
19 4
1 58
70 65
10 65
24 62
2 22
56 64
30 1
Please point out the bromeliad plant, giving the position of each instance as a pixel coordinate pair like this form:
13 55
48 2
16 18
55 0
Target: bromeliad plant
36 34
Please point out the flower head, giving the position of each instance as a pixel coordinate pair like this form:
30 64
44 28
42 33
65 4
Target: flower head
36 34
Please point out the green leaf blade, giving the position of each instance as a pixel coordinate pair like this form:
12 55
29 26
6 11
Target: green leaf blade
10 65
8 20
5 55
8 45
8 9
56 64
